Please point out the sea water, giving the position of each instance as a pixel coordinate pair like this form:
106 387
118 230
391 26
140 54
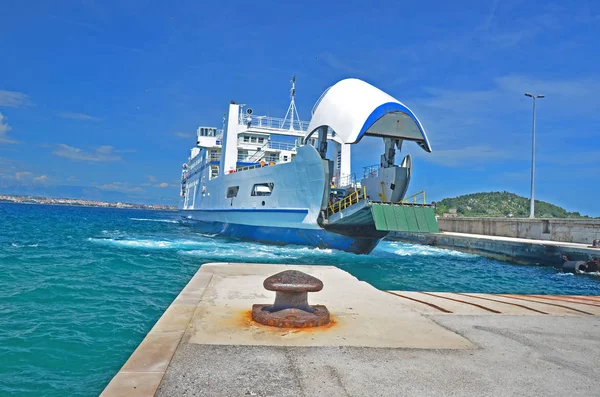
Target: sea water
81 287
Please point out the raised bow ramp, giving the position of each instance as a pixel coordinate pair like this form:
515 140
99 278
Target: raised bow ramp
354 109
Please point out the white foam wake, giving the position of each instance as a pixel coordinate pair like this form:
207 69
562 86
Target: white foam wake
16 245
155 220
405 249
152 244
253 251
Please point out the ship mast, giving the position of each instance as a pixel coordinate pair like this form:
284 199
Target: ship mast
292 108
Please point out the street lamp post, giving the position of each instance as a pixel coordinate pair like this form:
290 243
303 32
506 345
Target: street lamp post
532 203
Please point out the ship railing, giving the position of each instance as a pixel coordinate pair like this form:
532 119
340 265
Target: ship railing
259 153
251 167
219 137
351 199
344 180
415 198
273 123
282 146
250 159
371 171
248 167
213 157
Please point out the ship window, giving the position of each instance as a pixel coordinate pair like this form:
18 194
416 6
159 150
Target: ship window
253 139
261 140
285 158
232 191
246 139
262 189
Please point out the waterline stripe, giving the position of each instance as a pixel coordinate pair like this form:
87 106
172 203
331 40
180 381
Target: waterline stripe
291 210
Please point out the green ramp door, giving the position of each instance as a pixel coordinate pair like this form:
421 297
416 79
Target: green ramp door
404 218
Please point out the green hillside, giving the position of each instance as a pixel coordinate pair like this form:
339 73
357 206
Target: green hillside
501 204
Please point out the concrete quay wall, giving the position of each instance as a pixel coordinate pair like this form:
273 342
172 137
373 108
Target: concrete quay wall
582 231
520 251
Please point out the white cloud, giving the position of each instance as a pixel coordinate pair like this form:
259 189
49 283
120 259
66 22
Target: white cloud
72 178
99 154
163 184
337 64
23 175
444 99
120 186
185 135
151 179
13 99
466 156
487 116
575 95
78 116
514 176
4 129
40 179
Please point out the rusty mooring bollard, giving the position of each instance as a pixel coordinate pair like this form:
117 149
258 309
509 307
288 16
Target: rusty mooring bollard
291 308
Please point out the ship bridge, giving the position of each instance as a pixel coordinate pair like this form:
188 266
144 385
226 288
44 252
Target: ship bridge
355 109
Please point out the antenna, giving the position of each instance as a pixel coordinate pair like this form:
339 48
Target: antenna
292 108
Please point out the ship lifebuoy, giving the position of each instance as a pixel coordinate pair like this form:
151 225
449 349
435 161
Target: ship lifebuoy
262 163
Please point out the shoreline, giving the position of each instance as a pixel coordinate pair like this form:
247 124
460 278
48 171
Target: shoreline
82 203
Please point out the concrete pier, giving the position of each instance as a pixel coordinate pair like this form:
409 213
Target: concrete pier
582 231
380 343
515 250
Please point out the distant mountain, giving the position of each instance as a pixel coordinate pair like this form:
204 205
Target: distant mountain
500 204
86 193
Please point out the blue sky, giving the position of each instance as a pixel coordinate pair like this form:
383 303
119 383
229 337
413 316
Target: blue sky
109 94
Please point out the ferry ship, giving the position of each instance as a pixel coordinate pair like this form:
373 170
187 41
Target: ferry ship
270 180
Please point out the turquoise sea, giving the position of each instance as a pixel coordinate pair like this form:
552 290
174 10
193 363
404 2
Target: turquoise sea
80 287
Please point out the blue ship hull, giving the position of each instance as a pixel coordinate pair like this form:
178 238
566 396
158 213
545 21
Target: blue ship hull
283 236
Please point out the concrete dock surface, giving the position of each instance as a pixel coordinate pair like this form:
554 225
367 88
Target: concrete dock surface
380 343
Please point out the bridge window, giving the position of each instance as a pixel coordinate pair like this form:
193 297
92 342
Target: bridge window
262 189
261 140
246 139
232 191
253 139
